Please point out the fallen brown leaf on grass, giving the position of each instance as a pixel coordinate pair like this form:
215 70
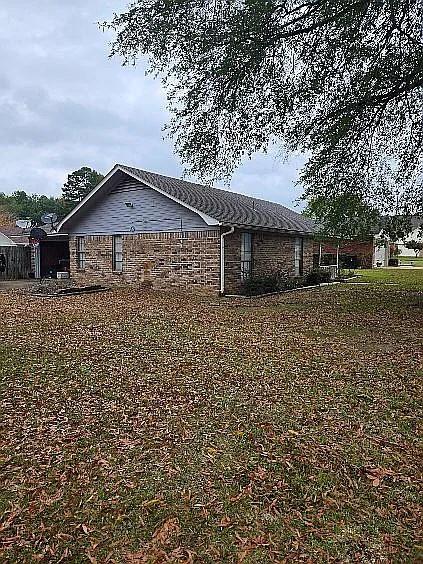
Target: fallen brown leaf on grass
376 475
166 532
225 522
153 427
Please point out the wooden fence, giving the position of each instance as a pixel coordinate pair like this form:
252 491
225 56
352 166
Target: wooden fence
15 263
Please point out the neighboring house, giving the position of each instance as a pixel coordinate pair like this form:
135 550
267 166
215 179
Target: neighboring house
373 252
144 228
23 256
5 241
47 256
17 235
15 259
415 235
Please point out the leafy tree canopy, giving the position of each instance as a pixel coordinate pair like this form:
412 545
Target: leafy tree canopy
339 81
20 205
345 216
416 246
78 184
349 216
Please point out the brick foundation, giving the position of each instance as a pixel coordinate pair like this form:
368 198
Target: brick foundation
158 260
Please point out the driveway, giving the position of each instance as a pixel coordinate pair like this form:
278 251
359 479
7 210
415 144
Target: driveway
6 285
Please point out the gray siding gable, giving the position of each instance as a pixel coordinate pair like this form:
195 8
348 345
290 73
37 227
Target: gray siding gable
151 212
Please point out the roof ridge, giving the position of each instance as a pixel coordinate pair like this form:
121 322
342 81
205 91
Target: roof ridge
209 186
225 206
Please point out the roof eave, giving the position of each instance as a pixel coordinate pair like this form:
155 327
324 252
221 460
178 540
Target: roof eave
206 218
87 198
266 228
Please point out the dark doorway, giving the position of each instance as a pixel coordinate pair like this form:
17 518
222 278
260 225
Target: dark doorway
54 258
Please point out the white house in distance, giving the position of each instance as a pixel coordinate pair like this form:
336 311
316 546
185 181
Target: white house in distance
415 235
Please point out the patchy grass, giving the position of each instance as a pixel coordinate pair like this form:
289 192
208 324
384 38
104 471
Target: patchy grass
416 261
143 427
406 278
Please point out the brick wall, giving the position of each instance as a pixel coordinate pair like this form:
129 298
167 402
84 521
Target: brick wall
232 262
272 252
159 260
308 255
163 260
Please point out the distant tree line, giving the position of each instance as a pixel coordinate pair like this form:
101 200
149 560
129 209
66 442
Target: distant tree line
20 205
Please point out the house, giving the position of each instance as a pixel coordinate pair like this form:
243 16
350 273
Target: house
47 256
144 228
415 235
369 252
5 241
16 235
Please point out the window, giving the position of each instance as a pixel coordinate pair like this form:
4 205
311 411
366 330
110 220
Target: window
117 253
80 252
246 255
298 256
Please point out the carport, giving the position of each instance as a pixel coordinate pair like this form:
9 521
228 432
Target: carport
52 256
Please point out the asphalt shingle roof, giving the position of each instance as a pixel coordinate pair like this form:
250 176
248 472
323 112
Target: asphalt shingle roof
229 208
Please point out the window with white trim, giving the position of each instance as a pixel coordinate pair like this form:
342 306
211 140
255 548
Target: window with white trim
117 255
246 255
80 252
298 256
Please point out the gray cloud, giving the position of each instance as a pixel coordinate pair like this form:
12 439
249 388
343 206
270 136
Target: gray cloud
64 104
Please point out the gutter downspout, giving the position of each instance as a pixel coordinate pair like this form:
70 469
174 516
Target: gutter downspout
222 259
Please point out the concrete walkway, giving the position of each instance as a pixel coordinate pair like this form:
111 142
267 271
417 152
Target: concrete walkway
6 285
402 267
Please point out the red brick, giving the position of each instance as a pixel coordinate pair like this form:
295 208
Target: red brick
159 260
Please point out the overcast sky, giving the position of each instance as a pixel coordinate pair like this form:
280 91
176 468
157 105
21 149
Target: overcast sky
64 104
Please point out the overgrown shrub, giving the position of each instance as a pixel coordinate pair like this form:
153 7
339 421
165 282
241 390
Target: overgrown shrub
278 282
317 276
265 284
345 274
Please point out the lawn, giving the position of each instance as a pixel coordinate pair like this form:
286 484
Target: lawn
153 427
405 278
417 261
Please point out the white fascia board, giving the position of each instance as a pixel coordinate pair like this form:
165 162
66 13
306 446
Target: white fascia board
208 219
87 198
